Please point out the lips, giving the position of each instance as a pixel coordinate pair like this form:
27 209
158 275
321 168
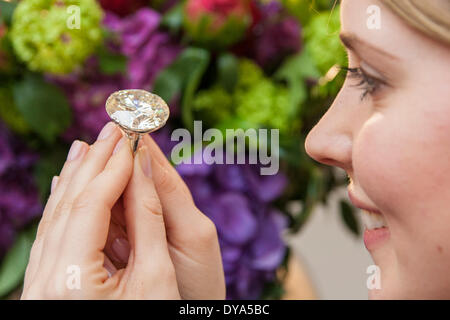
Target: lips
376 229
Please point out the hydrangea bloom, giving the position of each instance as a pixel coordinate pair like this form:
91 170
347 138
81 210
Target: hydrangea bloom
260 100
46 37
237 199
148 49
87 95
257 101
322 38
19 199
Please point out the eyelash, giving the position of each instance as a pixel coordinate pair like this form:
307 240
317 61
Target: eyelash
368 84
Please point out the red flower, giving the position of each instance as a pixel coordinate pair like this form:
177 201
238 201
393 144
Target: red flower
123 7
220 10
217 21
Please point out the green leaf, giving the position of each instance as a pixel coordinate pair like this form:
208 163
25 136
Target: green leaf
294 71
48 166
43 106
228 69
348 216
9 113
111 63
173 19
6 11
12 269
183 76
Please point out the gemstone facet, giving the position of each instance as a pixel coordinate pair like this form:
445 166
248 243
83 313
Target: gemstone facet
137 110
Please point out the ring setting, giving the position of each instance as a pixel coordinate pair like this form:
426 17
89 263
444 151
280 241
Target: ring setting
137 112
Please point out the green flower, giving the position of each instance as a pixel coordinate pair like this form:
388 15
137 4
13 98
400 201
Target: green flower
322 40
304 10
325 48
257 101
55 35
213 105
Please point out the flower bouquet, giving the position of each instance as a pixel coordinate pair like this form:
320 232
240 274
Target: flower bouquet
231 64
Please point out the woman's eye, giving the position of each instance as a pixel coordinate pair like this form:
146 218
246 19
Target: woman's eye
370 85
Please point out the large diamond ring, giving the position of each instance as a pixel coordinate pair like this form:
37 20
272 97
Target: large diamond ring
137 112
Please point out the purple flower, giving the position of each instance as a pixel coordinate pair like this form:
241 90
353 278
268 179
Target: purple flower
87 92
237 199
19 199
148 49
274 36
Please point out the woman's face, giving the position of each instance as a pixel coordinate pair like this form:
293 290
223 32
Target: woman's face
392 136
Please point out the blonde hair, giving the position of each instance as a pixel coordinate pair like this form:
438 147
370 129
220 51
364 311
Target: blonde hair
431 17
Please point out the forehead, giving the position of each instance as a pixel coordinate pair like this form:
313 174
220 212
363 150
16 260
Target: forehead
371 21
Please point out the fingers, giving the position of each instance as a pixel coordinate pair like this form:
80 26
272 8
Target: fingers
67 190
109 266
117 247
143 213
59 184
95 160
192 236
75 158
88 224
182 218
54 183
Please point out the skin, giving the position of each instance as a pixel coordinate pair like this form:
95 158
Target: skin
173 248
395 146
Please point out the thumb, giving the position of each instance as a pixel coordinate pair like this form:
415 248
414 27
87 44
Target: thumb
143 214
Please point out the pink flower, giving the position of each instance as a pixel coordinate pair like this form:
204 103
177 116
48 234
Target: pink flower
221 22
220 10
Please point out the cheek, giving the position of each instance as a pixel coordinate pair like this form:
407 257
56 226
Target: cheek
402 161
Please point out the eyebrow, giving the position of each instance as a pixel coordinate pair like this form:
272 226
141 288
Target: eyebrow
352 42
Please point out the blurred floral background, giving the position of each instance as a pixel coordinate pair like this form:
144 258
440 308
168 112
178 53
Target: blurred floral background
230 63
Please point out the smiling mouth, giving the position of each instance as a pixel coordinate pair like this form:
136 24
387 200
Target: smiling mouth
372 220
376 229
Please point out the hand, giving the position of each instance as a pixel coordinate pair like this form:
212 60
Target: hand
191 236
75 223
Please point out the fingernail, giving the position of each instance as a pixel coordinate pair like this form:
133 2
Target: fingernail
75 150
119 144
145 161
121 249
54 183
110 268
107 130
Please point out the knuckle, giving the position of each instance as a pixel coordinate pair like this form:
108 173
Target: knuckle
80 204
83 203
62 208
42 229
206 230
152 204
166 184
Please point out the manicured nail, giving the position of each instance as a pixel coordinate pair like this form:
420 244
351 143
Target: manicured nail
121 249
54 183
145 161
106 131
110 268
75 150
119 144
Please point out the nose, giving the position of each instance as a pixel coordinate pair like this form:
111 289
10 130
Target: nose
330 141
